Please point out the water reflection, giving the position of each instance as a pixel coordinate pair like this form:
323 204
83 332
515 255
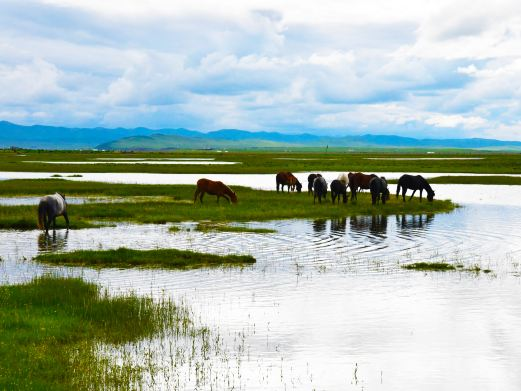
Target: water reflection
339 225
410 222
319 226
376 225
56 242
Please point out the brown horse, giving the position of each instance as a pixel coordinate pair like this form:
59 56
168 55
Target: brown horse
359 181
216 188
286 178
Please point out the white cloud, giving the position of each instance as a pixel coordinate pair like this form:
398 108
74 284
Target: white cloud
373 65
453 121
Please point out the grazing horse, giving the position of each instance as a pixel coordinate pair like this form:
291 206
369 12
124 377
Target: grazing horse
344 178
50 207
378 186
338 188
359 181
414 183
311 178
216 188
319 189
286 178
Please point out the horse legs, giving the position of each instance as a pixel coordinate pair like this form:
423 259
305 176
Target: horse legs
46 222
197 191
54 223
421 195
404 190
414 191
201 197
66 219
227 199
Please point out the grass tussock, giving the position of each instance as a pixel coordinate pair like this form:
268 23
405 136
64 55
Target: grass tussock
50 329
443 266
430 266
161 258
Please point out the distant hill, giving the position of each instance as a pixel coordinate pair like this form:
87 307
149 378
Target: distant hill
50 137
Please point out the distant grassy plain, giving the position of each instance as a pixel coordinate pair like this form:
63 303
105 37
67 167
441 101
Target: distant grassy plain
270 161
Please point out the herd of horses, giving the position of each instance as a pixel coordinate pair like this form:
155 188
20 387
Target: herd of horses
52 206
356 182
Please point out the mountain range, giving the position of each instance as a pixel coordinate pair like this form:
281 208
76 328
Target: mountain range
50 137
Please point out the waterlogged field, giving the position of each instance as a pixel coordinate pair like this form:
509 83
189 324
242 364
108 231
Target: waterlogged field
247 162
415 296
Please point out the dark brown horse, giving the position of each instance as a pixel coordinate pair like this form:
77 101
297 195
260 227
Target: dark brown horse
359 181
286 178
216 188
311 178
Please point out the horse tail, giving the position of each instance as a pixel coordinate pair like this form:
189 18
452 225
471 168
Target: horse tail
42 209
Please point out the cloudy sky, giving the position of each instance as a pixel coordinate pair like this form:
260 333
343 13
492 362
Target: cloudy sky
416 68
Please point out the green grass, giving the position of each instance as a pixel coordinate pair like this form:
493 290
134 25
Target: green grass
177 205
430 266
206 227
270 162
443 267
161 258
51 328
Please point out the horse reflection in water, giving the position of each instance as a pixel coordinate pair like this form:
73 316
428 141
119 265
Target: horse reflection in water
56 242
319 226
339 225
413 222
375 225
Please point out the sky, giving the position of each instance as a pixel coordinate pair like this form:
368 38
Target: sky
437 69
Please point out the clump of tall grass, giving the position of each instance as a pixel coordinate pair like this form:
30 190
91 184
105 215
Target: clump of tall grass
51 328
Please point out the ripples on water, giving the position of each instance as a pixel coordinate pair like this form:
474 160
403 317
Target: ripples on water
327 305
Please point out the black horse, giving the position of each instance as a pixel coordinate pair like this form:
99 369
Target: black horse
378 186
311 178
414 183
337 189
319 189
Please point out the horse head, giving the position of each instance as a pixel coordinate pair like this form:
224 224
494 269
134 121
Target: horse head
299 186
430 196
233 197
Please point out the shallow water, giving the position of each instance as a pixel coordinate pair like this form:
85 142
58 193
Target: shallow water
327 306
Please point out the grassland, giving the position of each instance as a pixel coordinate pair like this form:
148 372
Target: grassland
52 327
161 258
269 162
177 205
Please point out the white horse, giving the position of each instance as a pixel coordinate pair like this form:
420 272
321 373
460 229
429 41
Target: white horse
344 178
50 207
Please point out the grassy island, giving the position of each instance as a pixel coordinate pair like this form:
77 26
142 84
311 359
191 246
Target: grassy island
175 204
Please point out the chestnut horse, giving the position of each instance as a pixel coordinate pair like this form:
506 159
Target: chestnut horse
286 178
216 188
359 181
